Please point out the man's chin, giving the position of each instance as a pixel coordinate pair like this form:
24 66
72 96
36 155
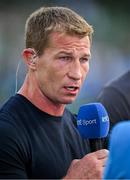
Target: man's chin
68 101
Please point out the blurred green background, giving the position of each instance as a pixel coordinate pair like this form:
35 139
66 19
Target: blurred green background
110 48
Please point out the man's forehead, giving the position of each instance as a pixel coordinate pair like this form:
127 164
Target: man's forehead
57 38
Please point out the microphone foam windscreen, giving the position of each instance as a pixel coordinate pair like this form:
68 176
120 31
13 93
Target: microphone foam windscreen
93 121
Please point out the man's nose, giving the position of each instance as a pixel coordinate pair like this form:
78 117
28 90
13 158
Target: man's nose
75 70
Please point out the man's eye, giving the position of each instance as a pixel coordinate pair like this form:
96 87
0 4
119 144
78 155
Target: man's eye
65 58
84 60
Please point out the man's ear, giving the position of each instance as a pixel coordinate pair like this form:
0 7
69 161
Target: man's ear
29 56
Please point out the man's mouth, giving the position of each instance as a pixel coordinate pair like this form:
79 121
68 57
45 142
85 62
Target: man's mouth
72 88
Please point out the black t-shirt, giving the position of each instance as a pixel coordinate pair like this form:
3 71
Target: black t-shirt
36 145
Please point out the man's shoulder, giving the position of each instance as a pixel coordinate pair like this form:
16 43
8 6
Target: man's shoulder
11 111
120 81
12 118
115 96
10 103
6 109
116 89
8 127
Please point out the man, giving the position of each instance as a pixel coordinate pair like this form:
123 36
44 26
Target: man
38 134
116 98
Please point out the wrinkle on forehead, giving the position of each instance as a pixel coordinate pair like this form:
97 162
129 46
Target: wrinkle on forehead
64 39
70 43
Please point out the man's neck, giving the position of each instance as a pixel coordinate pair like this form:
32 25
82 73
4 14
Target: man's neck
34 95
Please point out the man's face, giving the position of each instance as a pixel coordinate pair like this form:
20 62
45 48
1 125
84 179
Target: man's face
62 68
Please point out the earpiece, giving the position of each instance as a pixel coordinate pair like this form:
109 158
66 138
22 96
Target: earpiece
33 58
30 55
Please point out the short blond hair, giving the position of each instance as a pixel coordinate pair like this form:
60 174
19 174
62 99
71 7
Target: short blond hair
46 20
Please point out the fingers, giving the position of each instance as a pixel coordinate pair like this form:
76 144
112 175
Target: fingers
75 162
90 166
101 154
104 162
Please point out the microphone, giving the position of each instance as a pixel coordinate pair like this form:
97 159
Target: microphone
118 163
93 124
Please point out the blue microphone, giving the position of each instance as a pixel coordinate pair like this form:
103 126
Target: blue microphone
93 124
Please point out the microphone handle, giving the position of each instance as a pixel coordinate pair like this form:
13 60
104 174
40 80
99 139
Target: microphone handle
96 144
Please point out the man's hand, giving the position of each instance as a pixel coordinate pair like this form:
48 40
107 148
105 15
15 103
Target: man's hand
90 166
